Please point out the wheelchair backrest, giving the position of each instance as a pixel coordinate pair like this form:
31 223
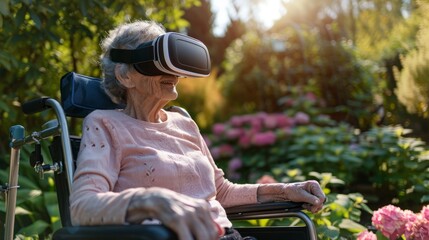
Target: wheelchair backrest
81 95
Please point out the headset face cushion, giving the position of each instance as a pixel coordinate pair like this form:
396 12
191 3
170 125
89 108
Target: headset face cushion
171 53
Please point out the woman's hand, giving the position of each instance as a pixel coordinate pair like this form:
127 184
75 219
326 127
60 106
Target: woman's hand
308 192
188 217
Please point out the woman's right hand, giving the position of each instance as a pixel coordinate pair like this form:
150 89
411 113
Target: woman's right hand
188 217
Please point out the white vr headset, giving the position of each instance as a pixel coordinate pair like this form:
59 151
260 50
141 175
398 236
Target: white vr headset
171 53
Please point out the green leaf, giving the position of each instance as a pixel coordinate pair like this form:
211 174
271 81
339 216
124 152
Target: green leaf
351 226
380 236
22 211
36 228
351 158
330 232
36 19
331 158
20 16
82 6
27 183
26 195
51 203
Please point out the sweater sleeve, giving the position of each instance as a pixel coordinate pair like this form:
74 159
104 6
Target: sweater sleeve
92 200
227 193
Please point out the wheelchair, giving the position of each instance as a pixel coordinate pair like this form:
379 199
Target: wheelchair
79 96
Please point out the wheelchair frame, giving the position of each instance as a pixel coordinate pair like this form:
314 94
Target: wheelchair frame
58 129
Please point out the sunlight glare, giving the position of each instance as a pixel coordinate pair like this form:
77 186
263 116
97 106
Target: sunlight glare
269 11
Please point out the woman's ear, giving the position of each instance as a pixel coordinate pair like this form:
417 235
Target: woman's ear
124 78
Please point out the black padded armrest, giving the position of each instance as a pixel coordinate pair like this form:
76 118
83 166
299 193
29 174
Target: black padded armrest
262 209
115 232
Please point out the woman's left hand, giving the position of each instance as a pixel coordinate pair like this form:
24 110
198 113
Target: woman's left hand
308 192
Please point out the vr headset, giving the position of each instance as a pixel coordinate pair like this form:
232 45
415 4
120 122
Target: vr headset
171 53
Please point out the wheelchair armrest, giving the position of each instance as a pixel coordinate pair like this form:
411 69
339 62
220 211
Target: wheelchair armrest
260 210
114 232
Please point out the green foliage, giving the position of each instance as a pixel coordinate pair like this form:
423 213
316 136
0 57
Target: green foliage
412 80
203 94
296 56
340 216
381 163
381 24
396 166
37 214
42 40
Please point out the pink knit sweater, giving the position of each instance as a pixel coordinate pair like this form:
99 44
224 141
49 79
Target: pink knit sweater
120 155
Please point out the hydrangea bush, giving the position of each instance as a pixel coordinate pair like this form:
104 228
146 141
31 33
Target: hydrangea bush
394 223
382 164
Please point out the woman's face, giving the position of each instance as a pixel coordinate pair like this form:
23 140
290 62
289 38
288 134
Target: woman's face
159 87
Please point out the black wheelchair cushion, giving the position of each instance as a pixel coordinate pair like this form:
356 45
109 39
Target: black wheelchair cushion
81 95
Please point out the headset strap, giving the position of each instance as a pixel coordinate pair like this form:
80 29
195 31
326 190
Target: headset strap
131 56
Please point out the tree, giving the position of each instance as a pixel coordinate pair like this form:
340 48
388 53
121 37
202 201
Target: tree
201 20
306 48
42 40
412 80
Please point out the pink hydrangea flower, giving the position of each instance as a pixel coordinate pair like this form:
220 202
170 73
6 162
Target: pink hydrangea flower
218 129
215 152
311 97
411 218
417 228
234 164
234 133
421 229
425 212
237 121
270 121
256 124
245 140
284 121
390 221
266 179
224 150
365 235
264 138
302 118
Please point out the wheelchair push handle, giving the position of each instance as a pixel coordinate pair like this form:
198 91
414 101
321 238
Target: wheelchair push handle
35 105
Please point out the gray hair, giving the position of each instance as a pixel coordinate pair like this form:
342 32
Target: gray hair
125 36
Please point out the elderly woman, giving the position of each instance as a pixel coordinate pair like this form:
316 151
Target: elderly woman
144 163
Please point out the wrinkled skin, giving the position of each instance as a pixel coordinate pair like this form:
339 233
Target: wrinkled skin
184 215
308 192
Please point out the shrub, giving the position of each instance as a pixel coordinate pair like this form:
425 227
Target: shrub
394 223
382 163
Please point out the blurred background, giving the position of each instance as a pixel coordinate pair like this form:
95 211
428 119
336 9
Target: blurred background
333 90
